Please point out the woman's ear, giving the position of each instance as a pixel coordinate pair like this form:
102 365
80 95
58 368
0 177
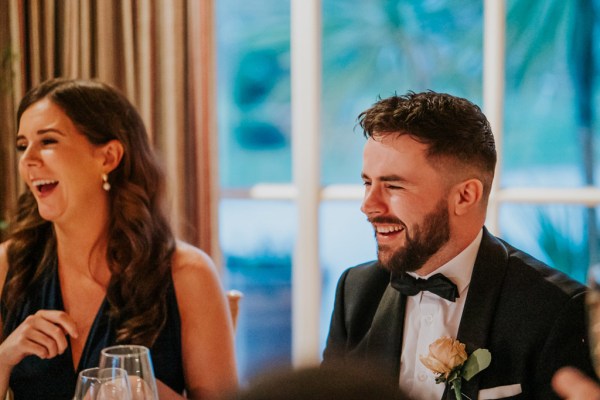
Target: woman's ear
112 153
468 194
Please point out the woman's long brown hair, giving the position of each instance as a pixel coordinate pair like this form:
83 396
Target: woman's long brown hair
140 242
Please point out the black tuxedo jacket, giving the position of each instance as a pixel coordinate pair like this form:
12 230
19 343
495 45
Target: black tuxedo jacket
530 316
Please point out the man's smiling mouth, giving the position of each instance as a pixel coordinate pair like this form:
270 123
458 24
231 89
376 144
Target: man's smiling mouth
387 230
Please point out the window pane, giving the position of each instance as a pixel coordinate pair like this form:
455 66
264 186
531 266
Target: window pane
257 239
564 237
551 94
346 239
378 48
253 90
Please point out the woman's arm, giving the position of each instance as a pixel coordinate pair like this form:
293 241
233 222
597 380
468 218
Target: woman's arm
206 326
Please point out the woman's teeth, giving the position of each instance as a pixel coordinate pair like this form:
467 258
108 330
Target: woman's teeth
44 185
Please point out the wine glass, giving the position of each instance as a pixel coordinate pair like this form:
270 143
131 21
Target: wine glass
102 384
593 311
137 362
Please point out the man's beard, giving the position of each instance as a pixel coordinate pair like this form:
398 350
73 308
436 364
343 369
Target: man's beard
427 238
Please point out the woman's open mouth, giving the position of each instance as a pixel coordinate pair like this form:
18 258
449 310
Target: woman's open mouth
44 186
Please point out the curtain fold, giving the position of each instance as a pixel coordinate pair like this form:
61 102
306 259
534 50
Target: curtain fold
160 53
11 89
202 118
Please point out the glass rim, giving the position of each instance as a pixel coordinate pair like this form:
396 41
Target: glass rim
94 372
125 350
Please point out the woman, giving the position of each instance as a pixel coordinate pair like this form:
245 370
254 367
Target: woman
91 260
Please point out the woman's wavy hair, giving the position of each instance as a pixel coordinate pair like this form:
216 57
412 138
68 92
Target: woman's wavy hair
140 242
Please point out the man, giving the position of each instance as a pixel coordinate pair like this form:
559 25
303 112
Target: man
428 168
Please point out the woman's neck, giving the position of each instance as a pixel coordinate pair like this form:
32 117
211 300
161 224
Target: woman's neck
82 248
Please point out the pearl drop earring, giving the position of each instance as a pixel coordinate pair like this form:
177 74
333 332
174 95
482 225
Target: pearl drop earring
105 184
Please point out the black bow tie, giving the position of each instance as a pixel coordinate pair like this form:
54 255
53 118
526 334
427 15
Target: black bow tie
437 284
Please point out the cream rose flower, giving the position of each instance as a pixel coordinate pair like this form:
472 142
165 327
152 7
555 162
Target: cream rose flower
445 354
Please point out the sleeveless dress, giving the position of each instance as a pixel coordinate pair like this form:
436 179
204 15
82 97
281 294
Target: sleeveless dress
34 378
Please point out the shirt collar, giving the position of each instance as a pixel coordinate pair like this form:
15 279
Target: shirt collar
460 268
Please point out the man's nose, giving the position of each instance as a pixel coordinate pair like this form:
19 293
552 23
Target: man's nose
373 202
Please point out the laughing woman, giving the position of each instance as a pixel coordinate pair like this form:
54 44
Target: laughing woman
91 260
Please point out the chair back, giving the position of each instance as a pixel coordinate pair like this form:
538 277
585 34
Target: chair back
234 297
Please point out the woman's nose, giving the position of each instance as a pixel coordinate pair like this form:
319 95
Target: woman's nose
30 157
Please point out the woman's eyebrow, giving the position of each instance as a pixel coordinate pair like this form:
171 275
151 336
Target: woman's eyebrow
49 130
43 132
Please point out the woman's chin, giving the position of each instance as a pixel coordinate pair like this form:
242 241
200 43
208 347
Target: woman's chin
48 215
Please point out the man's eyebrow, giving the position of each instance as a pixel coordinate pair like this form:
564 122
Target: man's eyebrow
391 178
385 178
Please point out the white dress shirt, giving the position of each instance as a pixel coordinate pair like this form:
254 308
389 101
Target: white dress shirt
428 317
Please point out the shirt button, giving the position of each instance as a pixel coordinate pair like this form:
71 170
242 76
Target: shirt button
422 377
429 319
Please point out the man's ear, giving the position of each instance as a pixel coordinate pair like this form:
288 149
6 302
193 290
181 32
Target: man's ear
468 195
112 153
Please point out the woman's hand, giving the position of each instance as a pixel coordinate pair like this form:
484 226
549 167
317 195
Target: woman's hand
43 334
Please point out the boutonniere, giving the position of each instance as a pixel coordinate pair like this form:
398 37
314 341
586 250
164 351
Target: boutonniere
448 359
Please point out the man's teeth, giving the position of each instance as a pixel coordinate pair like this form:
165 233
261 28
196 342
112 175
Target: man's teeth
388 229
42 182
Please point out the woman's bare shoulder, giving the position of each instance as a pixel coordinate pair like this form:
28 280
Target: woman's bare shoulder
4 256
188 258
191 268
200 296
3 263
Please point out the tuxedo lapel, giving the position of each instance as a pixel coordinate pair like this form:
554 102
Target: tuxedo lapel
482 299
384 340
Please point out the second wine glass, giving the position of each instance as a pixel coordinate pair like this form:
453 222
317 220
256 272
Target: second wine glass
102 384
136 360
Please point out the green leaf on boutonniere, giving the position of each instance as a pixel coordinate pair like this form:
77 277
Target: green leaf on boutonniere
479 360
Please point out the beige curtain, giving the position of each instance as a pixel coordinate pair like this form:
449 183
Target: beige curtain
10 93
159 52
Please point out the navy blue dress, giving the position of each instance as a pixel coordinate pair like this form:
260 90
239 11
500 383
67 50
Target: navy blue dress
34 378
